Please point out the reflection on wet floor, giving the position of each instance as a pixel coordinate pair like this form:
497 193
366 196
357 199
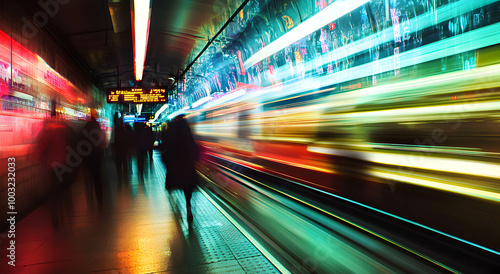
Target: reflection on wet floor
139 229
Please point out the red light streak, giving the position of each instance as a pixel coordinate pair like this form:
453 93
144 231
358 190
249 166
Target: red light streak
32 65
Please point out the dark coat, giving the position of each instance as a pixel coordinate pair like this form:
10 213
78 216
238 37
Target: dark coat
95 136
180 154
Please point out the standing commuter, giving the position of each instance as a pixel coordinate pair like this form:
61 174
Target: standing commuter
54 141
120 146
150 144
94 137
141 146
180 155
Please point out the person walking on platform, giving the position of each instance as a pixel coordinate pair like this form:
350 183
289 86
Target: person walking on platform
93 137
130 145
141 146
54 141
150 144
180 154
120 146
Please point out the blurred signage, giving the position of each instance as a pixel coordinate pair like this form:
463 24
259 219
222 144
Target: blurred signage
55 80
134 119
135 95
129 118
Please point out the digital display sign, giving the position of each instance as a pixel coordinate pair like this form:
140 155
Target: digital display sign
136 95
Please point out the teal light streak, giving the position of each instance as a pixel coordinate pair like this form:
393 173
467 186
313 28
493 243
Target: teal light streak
403 219
384 212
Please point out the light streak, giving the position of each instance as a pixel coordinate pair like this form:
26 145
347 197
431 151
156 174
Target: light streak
332 12
418 23
201 101
243 179
162 109
371 208
472 40
468 167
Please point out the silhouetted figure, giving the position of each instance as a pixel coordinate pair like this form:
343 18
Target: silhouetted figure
141 137
163 137
58 158
130 150
150 143
92 137
120 148
180 155
54 142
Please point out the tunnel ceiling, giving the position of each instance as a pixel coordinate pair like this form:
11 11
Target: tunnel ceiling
99 33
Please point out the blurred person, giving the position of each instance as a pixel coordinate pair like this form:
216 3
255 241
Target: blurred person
150 144
180 154
130 141
163 132
92 142
141 144
120 147
55 140
55 143
161 145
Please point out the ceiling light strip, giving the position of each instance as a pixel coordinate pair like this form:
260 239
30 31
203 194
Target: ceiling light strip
141 32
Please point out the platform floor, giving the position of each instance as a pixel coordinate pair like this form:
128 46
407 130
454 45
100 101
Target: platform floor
139 229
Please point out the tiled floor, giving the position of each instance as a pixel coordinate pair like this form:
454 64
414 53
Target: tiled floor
138 230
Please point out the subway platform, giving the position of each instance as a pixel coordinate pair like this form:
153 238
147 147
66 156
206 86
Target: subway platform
139 229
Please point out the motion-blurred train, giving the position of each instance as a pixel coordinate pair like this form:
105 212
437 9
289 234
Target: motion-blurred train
426 117
427 126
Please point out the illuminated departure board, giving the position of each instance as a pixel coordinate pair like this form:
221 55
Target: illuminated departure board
136 95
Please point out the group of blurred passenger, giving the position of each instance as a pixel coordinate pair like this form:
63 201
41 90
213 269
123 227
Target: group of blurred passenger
66 153
129 142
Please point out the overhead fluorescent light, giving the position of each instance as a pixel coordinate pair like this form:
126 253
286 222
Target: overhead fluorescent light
332 12
140 30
